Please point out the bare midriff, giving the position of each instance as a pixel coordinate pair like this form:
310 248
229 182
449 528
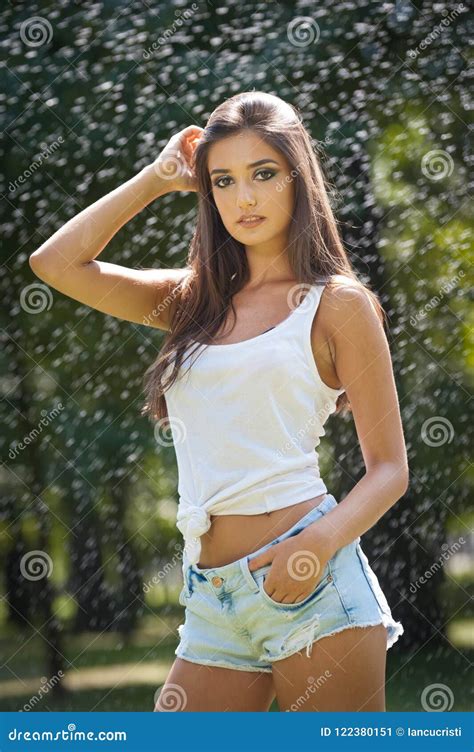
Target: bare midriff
232 536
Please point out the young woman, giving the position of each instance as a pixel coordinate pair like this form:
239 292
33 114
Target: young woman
269 332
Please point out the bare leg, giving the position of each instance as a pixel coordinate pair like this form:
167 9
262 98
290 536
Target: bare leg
345 672
196 687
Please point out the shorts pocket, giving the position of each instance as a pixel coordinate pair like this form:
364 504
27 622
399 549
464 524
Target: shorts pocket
185 590
320 586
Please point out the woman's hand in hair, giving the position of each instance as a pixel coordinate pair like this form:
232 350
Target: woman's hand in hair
176 162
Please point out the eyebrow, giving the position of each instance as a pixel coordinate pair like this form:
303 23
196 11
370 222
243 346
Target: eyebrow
252 164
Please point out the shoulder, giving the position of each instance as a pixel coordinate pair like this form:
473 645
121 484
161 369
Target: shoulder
347 308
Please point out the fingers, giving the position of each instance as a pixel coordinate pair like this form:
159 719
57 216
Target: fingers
189 139
191 128
260 561
191 134
275 591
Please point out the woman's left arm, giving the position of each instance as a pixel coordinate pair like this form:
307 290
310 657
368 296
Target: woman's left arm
364 367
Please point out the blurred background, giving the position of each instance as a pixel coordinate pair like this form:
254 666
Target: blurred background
90 557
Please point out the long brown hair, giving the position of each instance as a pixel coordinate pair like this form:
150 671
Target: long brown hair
217 263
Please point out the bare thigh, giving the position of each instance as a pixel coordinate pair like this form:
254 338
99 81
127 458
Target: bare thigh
345 672
195 687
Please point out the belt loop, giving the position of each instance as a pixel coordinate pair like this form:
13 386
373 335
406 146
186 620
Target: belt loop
187 579
329 502
247 575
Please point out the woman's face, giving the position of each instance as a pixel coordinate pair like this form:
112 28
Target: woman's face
241 187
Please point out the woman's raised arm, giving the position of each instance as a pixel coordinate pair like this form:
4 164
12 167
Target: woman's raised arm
67 260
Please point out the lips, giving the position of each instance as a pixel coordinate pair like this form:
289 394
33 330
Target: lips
251 219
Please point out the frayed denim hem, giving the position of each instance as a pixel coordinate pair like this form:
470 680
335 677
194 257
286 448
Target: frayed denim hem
394 630
220 664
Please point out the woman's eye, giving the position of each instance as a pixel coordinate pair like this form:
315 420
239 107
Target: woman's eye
218 182
270 173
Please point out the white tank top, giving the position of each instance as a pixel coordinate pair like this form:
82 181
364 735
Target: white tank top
246 421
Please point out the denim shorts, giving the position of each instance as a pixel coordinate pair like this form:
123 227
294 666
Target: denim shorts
231 622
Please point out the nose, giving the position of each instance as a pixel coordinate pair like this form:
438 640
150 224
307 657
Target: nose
245 198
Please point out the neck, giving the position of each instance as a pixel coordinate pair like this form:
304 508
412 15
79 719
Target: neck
268 263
